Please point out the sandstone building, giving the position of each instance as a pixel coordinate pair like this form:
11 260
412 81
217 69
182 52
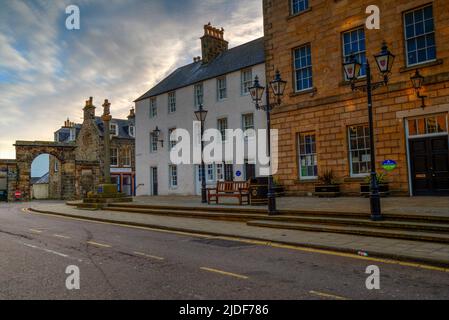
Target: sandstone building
88 138
323 124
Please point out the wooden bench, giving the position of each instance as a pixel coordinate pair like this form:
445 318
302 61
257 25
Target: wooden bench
230 189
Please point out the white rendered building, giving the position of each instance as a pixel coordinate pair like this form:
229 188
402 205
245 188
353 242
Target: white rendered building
219 81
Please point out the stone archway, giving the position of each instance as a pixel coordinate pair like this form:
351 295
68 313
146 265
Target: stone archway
27 151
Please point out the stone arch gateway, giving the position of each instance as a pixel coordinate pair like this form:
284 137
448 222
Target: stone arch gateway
27 151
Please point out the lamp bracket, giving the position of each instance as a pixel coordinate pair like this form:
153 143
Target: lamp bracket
374 86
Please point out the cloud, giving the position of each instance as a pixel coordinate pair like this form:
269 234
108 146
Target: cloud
121 51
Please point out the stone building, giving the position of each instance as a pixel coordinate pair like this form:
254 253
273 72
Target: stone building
8 179
323 124
88 138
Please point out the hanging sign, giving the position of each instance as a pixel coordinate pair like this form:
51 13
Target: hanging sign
389 165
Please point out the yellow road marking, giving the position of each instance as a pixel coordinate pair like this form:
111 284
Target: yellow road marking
224 273
61 236
262 243
35 231
327 295
98 244
148 256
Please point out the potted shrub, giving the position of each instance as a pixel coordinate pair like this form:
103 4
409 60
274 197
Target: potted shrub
328 187
384 188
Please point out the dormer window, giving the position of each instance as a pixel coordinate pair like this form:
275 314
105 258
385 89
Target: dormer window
132 131
113 129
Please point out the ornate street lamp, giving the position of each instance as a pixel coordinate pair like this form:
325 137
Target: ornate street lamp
278 87
352 67
417 81
157 134
201 115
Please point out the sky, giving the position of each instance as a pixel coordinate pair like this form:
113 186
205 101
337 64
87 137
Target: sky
123 48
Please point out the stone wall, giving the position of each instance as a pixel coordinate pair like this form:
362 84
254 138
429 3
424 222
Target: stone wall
330 107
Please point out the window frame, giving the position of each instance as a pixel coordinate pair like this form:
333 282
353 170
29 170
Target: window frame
220 89
127 158
197 94
350 150
245 83
224 136
171 99
171 144
357 54
312 154
116 157
292 6
115 131
153 143
153 108
173 169
295 70
404 24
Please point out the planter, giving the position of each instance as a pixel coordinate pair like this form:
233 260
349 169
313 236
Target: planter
384 189
327 191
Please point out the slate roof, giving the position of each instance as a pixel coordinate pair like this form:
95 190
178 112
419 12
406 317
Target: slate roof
42 180
123 128
244 56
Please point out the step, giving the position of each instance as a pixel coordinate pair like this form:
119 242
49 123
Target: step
371 232
302 213
365 222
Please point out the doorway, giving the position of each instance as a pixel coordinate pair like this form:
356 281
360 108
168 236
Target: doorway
429 159
154 181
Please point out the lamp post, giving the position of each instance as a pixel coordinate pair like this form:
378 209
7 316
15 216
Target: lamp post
352 69
278 87
157 134
417 81
201 115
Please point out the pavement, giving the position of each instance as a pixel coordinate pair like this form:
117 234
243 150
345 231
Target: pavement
432 254
126 262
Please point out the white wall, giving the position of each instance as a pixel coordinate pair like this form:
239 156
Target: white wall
233 108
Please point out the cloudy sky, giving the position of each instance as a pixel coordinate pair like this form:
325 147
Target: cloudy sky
122 49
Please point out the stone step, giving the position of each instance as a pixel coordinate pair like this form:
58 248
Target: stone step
372 232
430 218
242 217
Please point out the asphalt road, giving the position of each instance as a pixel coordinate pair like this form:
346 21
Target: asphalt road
118 262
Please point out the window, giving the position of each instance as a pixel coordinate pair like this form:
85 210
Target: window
72 134
172 144
153 108
221 88
172 102
200 173
354 43
113 129
114 157
359 150
153 143
303 68
199 94
56 168
173 172
222 126
127 158
132 131
220 172
299 6
229 172
210 172
308 163
248 121
250 170
247 81
428 125
420 36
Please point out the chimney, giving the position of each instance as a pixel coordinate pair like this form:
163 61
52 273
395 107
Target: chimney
132 114
68 124
89 109
212 43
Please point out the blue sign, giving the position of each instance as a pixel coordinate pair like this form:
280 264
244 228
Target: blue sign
389 165
238 173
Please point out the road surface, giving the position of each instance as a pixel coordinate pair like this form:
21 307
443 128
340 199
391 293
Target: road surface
117 262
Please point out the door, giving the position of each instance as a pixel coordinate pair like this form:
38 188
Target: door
3 186
127 185
250 171
430 165
154 182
